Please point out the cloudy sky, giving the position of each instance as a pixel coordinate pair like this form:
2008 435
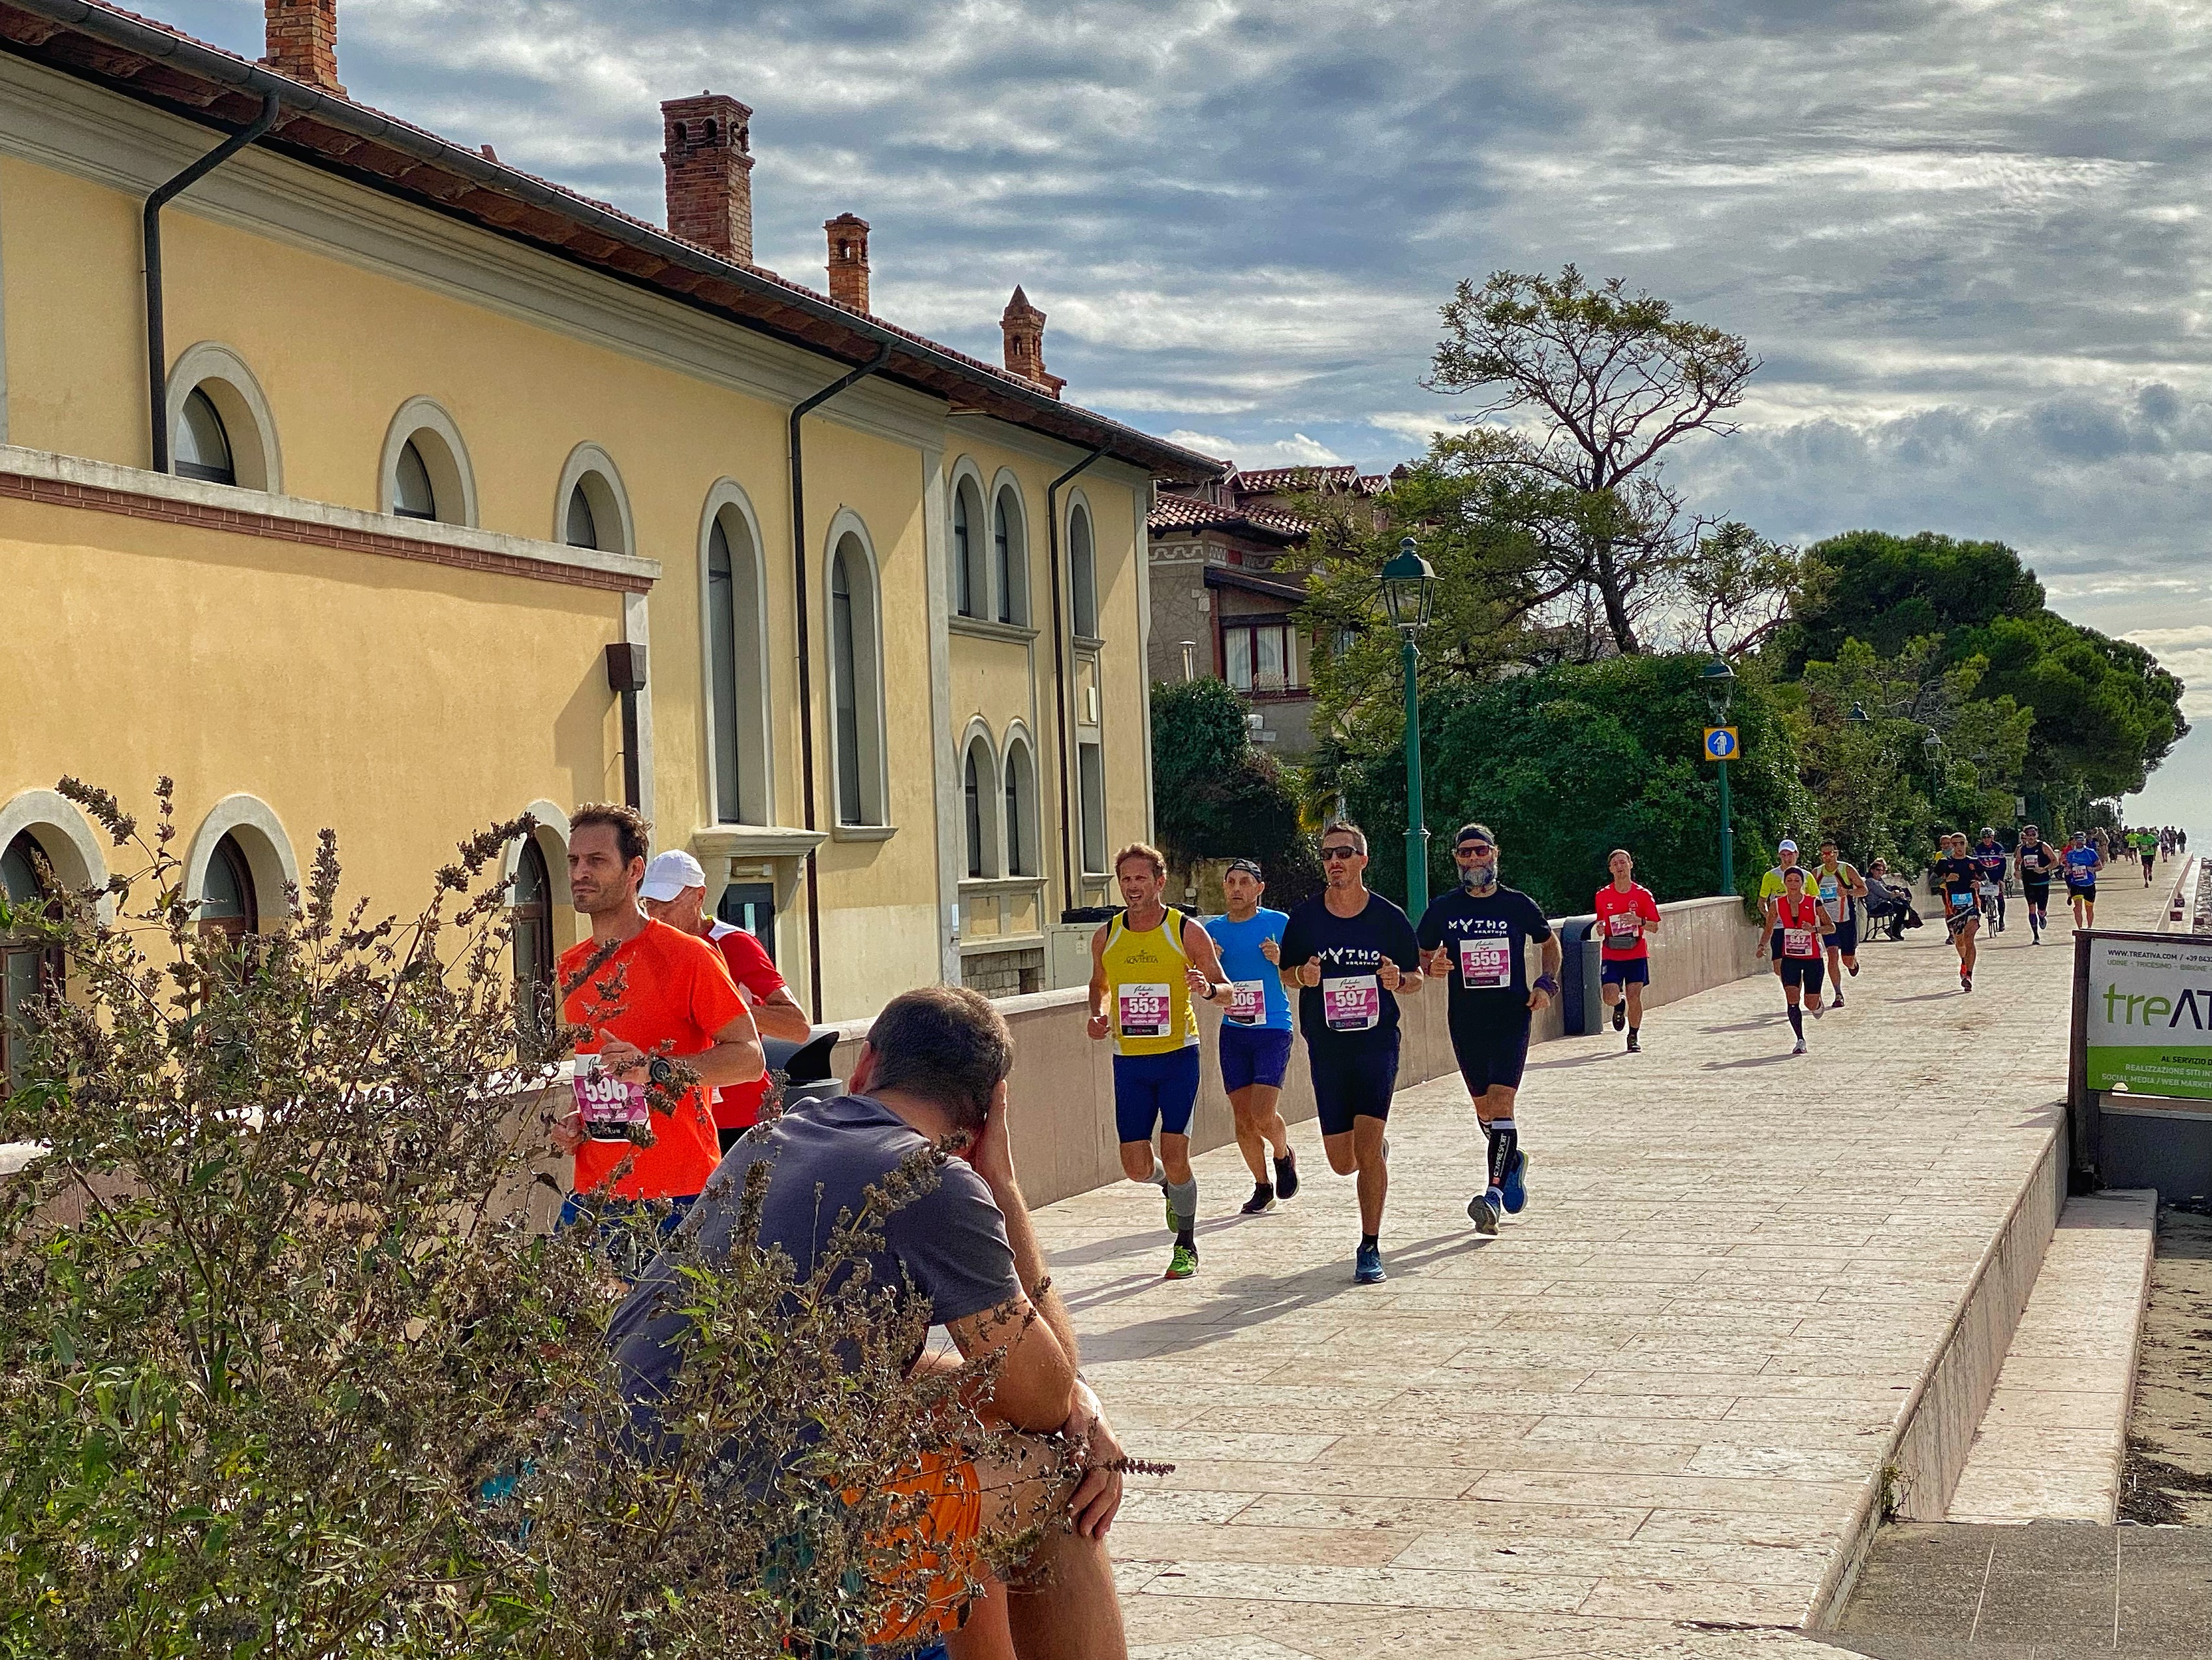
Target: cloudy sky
1968 237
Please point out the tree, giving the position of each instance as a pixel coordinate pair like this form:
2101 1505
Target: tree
1217 795
1587 387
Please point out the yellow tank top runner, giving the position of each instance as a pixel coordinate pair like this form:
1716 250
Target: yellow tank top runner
1144 988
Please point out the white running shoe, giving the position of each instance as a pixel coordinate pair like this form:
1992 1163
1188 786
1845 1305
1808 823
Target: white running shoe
1800 1049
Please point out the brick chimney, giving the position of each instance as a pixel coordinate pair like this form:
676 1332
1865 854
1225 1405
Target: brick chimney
1023 325
849 260
300 38
709 166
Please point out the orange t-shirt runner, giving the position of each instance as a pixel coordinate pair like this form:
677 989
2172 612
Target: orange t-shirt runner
674 991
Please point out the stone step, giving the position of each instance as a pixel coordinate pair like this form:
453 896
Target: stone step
2049 1446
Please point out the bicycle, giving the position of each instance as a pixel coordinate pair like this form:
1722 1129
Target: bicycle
1987 892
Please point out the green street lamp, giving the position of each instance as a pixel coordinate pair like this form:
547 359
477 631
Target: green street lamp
1409 591
1858 716
1718 680
1934 745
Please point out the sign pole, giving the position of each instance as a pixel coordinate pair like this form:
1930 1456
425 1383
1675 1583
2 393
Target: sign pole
1728 838
2082 1105
1416 833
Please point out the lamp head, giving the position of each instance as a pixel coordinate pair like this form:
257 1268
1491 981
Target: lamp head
1409 588
1858 714
1718 680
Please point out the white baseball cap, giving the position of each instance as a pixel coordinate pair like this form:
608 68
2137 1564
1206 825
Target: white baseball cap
670 874
1785 846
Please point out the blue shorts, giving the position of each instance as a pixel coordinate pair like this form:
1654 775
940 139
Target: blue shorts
1845 938
1352 1077
614 1240
1625 972
1155 1089
1254 1055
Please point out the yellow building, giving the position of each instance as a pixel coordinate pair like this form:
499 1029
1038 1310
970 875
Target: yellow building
455 494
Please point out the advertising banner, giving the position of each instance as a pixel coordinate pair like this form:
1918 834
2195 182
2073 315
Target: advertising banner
2149 1009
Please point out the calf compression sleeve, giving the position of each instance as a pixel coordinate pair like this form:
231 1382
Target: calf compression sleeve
1796 1020
1184 1198
1503 1141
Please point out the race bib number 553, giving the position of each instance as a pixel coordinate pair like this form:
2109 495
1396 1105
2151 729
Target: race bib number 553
1147 1011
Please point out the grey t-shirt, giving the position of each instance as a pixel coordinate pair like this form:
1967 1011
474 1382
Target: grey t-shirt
948 1246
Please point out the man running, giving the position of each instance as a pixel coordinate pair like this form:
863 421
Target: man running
1957 877
652 995
1989 856
2083 861
1352 955
1626 915
1145 966
2038 862
1476 937
1842 891
1801 921
1771 888
675 892
2146 846
1255 1042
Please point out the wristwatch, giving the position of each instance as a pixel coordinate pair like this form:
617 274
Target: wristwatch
1548 984
660 1071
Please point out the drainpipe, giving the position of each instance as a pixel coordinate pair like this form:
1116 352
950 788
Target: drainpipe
157 344
1067 780
807 658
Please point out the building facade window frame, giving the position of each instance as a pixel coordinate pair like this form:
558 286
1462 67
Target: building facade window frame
853 621
1082 569
969 543
981 838
423 424
28 969
1007 600
257 837
227 386
550 842
1250 643
590 475
1018 770
735 711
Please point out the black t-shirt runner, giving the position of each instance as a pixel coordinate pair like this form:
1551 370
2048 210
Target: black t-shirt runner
1955 876
1350 1003
2038 862
1486 937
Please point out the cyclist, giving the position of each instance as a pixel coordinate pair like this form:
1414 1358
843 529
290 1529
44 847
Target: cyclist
2083 861
1145 966
1990 855
1958 878
1253 1049
1801 919
1352 956
1842 891
2038 862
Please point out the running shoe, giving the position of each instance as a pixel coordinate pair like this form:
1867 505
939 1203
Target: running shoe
1287 1177
1836 1000
1183 1264
1261 1202
1634 1047
1620 1014
1482 1210
1854 968
1966 982
1800 1049
1514 1193
1367 1265
1817 1010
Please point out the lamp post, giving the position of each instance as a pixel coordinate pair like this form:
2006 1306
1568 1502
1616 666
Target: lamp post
1934 745
1719 681
1858 716
1408 592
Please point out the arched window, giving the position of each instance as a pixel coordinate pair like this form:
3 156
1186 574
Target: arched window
28 970
1082 575
856 690
1009 559
202 449
229 905
426 469
533 948
582 527
737 656
591 510
963 551
412 494
976 807
1021 810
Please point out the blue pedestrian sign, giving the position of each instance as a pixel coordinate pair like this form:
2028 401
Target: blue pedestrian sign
1719 743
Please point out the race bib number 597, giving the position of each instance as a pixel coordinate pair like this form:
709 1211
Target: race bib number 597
1352 1002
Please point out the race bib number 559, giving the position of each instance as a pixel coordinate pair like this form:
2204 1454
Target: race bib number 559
1485 963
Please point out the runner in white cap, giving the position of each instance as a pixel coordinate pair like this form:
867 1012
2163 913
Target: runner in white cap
675 892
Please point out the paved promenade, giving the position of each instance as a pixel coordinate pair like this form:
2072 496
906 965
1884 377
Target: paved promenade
1640 1422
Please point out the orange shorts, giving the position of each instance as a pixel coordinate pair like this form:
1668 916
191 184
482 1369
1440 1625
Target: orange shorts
942 1539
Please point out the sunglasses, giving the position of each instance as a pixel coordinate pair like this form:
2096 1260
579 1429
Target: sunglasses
1478 849
1339 852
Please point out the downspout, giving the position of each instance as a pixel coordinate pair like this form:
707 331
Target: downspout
1067 780
157 344
807 661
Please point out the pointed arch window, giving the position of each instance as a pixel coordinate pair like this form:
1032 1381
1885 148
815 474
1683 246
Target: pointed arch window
855 686
737 656
1082 575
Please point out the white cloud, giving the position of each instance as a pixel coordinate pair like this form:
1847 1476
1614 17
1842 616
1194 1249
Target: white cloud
1296 450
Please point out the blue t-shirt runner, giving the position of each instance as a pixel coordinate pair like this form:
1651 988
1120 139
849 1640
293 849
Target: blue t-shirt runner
1255 1042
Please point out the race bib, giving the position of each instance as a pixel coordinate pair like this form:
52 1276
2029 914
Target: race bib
1352 1002
1622 927
1829 890
1247 1002
1989 889
1797 942
607 1105
1147 1010
1485 965
1960 901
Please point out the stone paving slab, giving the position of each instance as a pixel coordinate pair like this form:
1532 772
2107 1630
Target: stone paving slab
1645 1419
2051 1445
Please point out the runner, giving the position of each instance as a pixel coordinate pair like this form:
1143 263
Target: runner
2036 861
649 995
1626 913
1254 1044
1844 891
1956 877
1476 938
2083 861
1802 921
1989 856
675 892
1771 888
1352 955
1145 966
2146 842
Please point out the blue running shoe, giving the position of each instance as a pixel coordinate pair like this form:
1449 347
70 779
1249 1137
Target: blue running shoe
1482 1211
1367 1265
1514 1193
